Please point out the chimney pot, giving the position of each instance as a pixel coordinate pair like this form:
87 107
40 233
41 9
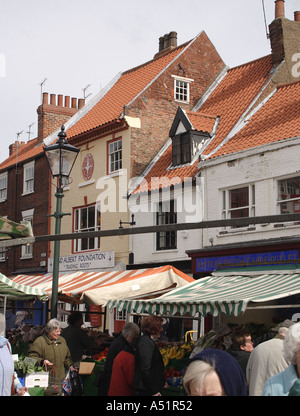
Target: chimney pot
60 100
45 98
166 41
173 39
67 101
53 99
279 9
161 43
81 103
74 102
297 16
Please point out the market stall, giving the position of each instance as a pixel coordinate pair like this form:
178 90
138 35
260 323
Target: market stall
230 293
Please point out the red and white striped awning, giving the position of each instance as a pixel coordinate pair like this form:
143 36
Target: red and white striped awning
99 287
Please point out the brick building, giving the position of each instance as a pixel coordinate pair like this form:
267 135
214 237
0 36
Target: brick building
24 178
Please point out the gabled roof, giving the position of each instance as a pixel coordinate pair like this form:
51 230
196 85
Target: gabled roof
129 85
229 101
107 106
278 119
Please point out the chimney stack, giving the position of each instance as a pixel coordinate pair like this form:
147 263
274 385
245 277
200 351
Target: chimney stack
279 9
14 146
167 43
51 115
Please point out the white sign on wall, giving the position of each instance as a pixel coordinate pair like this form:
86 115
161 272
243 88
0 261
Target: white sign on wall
84 261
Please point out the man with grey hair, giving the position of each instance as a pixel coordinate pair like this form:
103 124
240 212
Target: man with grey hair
267 360
129 333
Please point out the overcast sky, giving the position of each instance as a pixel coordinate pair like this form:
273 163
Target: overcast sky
74 43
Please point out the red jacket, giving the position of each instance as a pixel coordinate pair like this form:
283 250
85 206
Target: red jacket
121 382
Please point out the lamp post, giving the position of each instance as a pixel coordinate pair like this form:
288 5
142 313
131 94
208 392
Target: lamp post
61 157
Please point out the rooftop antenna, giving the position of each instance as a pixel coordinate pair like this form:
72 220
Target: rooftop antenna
84 92
18 134
264 12
41 85
29 130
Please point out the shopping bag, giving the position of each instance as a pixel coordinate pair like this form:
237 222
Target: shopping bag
54 383
72 384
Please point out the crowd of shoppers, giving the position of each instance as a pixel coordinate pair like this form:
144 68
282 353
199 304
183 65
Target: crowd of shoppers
134 365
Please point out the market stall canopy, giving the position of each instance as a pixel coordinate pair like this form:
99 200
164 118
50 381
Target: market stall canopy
10 229
16 291
220 293
97 288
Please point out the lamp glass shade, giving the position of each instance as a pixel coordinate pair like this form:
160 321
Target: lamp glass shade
61 158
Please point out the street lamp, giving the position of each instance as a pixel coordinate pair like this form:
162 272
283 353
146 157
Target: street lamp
61 157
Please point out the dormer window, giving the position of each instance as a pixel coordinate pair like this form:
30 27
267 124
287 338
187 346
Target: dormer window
190 133
182 89
181 149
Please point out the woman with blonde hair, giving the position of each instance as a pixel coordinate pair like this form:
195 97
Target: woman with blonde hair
282 383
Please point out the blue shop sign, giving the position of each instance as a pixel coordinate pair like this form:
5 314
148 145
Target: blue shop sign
206 264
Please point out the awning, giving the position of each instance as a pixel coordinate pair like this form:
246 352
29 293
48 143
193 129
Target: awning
17 291
221 293
97 288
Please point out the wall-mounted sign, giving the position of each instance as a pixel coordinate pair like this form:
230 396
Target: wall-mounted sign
90 260
87 167
206 264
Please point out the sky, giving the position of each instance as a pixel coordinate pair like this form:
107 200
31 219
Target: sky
74 44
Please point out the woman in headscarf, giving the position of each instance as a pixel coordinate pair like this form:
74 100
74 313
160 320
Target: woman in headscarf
214 372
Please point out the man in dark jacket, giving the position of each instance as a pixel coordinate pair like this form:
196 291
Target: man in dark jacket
130 331
241 348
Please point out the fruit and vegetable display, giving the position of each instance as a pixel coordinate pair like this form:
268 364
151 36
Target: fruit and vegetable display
175 359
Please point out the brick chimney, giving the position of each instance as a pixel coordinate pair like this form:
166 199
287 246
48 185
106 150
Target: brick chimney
166 43
14 146
284 37
55 112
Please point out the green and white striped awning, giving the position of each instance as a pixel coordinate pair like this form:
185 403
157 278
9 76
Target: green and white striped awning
221 293
16 291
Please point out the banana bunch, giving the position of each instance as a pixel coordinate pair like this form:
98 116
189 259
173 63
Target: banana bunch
187 347
171 353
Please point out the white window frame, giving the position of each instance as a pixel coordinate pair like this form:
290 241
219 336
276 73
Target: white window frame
290 203
78 229
182 89
226 205
115 155
3 186
121 315
28 179
27 249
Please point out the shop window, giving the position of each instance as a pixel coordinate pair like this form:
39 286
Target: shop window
87 218
166 214
289 195
238 202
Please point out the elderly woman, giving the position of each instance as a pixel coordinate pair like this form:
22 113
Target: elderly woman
214 372
149 377
281 383
51 349
8 378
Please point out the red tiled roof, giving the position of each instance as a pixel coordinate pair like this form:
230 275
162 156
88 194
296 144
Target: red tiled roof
110 106
278 119
229 100
25 152
127 87
202 122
